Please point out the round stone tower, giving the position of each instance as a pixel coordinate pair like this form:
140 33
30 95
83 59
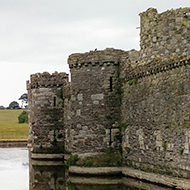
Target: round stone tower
164 35
46 95
95 101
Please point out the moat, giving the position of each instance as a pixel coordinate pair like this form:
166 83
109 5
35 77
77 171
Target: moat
14 174
14 170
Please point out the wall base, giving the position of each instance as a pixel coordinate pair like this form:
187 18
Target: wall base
95 170
174 182
179 183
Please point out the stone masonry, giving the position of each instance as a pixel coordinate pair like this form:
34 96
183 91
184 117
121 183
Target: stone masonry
137 102
161 34
95 105
46 123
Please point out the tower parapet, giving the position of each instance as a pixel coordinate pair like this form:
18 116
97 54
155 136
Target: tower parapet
106 57
46 114
164 35
40 80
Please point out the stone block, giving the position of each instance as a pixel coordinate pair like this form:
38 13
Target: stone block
154 39
178 36
73 98
179 20
79 126
78 112
95 102
80 97
97 97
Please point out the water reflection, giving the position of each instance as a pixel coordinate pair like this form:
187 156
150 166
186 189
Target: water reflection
78 183
48 175
14 171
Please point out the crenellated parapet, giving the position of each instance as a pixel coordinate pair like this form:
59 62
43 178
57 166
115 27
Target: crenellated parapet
164 35
155 67
101 58
47 80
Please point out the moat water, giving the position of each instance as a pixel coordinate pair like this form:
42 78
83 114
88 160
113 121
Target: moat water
14 170
14 175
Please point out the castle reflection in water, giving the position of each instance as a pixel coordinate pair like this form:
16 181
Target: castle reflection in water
53 175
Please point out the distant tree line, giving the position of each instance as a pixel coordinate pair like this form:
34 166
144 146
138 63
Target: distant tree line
23 117
15 105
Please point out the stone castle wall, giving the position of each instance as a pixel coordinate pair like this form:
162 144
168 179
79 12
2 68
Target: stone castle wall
164 35
46 122
155 111
141 97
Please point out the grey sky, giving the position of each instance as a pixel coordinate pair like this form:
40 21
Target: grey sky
39 35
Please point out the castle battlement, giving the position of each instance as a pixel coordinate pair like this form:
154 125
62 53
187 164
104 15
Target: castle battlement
156 66
46 80
105 57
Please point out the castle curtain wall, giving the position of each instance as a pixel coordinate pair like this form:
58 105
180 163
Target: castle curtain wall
156 111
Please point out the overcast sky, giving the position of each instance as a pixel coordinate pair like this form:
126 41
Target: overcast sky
39 35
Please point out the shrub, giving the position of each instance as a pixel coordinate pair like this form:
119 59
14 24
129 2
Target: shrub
23 117
72 160
88 163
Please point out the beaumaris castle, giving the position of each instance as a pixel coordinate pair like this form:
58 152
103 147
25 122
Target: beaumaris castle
133 106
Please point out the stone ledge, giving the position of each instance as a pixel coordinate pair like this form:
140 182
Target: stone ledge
47 163
47 156
13 143
178 183
95 170
174 182
95 180
135 183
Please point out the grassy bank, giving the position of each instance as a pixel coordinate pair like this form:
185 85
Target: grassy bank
10 129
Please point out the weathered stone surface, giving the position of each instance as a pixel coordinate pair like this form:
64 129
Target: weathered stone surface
135 101
94 100
164 32
46 176
46 95
156 112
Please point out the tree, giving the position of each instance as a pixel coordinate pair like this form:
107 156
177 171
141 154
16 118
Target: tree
24 99
14 105
23 117
2 107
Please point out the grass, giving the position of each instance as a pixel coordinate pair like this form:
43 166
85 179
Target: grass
10 129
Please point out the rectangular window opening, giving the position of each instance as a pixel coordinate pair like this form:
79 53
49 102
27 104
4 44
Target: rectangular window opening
111 84
54 101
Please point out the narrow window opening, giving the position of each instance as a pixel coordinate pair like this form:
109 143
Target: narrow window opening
110 141
111 84
54 101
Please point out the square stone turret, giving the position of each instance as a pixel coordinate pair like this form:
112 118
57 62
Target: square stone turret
46 94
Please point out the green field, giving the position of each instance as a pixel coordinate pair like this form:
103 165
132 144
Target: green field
10 129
